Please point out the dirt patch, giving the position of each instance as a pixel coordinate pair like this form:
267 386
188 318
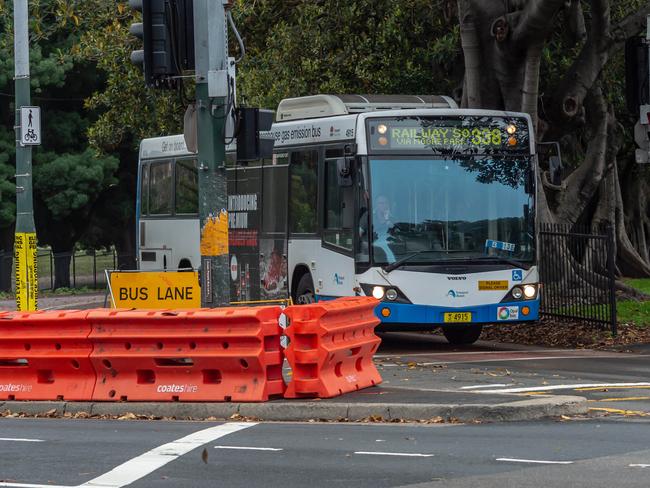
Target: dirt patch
551 333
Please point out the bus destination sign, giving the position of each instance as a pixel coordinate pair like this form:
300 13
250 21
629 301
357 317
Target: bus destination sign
442 134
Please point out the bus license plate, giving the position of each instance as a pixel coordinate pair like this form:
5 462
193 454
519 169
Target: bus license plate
457 317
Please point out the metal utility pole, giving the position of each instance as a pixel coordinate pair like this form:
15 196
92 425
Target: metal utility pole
213 96
641 82
27 134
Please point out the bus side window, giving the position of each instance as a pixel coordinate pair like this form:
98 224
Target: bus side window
160 188
187 187
144 190
339 208
303 174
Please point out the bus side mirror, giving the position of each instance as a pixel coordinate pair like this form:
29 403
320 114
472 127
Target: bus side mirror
344 168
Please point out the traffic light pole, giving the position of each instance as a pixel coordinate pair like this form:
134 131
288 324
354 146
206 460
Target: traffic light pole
211 51
25 238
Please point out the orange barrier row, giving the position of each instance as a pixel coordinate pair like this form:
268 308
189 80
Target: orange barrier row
45 356
331 345
203 355
229 354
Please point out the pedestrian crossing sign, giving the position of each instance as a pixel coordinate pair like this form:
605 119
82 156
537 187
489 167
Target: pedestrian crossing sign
30 126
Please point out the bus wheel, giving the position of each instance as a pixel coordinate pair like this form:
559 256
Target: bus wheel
305 291
462 335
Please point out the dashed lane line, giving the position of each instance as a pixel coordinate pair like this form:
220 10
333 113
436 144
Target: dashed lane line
12 439
402 454
244 448
478 387
532 461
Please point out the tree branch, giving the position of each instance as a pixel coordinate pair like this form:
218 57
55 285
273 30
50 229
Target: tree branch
630 26
603 41
583 183
471 48
536 20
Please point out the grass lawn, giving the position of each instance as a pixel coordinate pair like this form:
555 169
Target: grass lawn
632 312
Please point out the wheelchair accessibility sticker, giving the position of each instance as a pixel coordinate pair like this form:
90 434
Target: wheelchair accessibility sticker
517 275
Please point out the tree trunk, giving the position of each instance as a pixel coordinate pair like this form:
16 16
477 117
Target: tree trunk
62 261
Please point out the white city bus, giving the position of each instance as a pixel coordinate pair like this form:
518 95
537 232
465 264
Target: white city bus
427 207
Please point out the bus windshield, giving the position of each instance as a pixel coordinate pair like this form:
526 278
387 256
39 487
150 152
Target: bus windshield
439 209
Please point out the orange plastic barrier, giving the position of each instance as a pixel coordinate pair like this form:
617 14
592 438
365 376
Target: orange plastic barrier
230 354
45 356
331 347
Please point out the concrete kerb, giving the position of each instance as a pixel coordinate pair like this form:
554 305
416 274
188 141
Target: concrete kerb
297 411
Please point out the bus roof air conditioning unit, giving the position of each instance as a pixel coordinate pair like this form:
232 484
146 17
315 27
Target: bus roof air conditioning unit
332 105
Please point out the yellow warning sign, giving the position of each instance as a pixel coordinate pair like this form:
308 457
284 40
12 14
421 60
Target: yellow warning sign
493 285
155 290
214 235
26 273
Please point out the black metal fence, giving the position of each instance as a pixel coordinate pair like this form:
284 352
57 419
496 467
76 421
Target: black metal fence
80 269
577 271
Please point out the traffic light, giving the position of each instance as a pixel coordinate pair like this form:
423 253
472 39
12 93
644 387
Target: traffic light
636 73
251 144
167 33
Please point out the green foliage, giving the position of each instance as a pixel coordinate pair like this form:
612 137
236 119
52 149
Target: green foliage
70 183
642 285
635 313
367 46
128 110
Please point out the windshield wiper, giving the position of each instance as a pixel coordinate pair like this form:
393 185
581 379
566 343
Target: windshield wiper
514 262
399 263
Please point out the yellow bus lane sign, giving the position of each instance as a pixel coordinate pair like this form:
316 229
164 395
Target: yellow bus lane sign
493 285
155 290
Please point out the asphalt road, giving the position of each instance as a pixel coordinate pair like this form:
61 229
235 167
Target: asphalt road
67 453
613 382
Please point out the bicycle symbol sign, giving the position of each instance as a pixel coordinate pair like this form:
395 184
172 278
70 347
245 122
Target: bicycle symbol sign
30 125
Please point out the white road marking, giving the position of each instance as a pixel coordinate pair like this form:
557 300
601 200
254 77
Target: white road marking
477 387
565 387
405 454
139 467
405 354
242 448
9 439
500 360
639 465
532 461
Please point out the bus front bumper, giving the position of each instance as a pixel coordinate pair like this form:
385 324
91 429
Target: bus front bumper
500 313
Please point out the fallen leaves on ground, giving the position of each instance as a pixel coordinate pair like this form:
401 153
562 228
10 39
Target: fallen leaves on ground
551 333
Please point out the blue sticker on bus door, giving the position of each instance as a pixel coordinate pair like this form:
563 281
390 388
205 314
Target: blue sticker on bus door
501 246
517 275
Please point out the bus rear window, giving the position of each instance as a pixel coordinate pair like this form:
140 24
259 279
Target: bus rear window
160 189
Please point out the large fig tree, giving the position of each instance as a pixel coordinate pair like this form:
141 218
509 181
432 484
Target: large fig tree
561 61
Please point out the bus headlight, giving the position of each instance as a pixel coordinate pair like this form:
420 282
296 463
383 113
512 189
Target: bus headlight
391 294
530 291
382 129
517 293
378 292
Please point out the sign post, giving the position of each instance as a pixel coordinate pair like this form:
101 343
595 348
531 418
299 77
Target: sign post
28 133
